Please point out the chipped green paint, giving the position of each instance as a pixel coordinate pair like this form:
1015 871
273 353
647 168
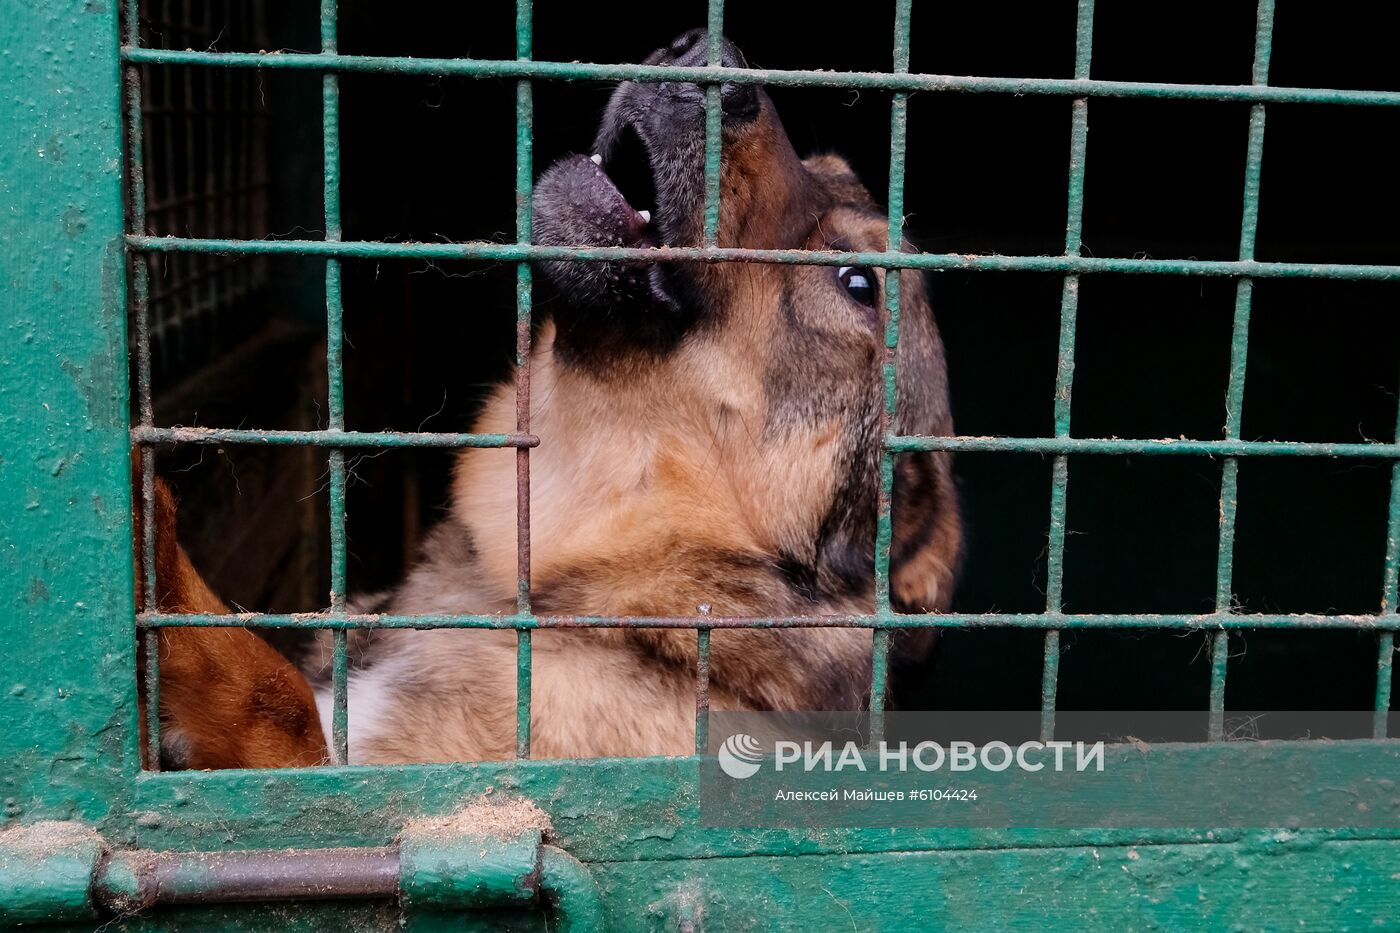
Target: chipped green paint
439 868
69 697
46 869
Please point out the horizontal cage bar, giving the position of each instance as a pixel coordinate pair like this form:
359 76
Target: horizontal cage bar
936 262
327 438
896 443
1163 446
860 80
1027 620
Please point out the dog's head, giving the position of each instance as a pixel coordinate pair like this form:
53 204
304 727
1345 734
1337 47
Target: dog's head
795 349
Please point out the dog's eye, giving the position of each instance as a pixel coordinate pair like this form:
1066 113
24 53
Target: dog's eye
859 283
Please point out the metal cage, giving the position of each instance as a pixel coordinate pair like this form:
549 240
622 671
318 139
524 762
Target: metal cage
344 827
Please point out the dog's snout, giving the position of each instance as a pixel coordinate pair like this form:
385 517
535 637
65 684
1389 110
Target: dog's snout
692 49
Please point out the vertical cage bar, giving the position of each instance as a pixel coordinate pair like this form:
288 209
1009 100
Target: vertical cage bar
1390 596
524 170
714 136
702 690
335 383
1385 668
1234 395
1064 371
714 151
884 527
140 286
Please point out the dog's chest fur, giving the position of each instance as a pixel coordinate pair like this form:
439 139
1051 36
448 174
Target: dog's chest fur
668 491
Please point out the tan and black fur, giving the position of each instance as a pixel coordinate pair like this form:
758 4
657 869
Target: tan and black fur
709 444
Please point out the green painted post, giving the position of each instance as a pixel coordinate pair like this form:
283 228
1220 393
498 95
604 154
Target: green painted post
66 555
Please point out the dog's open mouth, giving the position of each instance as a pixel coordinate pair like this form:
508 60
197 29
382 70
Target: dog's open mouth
643 187
628 165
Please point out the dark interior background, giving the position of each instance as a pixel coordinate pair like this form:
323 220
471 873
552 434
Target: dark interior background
432 159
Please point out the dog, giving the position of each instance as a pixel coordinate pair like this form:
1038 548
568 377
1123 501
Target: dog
228 699
710 443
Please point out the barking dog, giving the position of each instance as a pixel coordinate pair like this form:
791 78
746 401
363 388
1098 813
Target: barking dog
710 443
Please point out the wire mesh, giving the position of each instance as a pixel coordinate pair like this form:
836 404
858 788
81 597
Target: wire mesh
145 242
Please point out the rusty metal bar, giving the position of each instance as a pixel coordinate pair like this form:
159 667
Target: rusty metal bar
1234 394
426 868
139 296
702 690
524 182
862 80
327 438
131 881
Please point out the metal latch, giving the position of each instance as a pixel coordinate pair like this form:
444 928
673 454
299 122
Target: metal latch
482 856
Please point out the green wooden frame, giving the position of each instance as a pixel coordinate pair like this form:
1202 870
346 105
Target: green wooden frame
74 245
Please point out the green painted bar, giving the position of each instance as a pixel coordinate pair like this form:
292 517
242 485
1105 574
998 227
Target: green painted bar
1390 596
884 525
892 620
1385 672
1064 370
524 192
861 80
714 138
1150 447
335 381
1239 352
934 262
340 698
898 443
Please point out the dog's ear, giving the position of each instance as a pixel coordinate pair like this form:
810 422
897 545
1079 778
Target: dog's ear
841 184
927 546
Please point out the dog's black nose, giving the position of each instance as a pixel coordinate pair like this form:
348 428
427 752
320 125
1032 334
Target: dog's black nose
691 49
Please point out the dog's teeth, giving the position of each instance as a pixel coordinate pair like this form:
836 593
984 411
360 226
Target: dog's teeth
596 159
645 215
